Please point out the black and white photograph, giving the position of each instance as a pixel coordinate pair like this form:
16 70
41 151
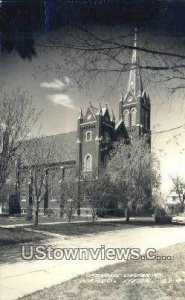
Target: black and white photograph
92 149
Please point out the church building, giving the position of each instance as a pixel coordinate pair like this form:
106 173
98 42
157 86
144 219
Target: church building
88 148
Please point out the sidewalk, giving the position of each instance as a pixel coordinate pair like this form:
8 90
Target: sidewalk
99 220
23 277
133 221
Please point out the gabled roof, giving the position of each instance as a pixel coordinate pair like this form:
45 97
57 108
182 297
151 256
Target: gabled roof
119 124
98 111
121 130
93 109
103 111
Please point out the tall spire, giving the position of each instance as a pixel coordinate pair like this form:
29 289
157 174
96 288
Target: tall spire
135 81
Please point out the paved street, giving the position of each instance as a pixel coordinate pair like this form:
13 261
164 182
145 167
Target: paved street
23 277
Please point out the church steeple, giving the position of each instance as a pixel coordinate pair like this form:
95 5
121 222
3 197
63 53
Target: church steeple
134 108
135 85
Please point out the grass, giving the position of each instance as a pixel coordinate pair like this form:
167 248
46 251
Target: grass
11 220
12 236
80 228
14 220
165 280
73 229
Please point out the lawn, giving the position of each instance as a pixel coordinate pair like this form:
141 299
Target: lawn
13 220
72 229
130 280
100 225
12 236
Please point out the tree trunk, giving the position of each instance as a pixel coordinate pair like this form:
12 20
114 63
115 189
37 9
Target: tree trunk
182 206
36 222
78 211
69 216
127 214
93 215
79 198
61 210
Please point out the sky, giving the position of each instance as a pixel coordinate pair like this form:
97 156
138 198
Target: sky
59 97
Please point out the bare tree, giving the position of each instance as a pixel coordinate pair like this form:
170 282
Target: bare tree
134 171
40 158
17 116
69 209
69 197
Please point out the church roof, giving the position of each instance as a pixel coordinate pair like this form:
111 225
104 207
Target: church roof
103 111
119 124
93 109
63 147
121 130
96 111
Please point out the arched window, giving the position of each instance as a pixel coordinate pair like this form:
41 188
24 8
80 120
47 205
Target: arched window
126 118
88 136
88 163
133 116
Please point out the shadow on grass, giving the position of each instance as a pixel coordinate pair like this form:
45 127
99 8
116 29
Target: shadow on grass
78 229
10 254
12 236
11 240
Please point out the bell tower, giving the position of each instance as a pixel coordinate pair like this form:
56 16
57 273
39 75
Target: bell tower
134 108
